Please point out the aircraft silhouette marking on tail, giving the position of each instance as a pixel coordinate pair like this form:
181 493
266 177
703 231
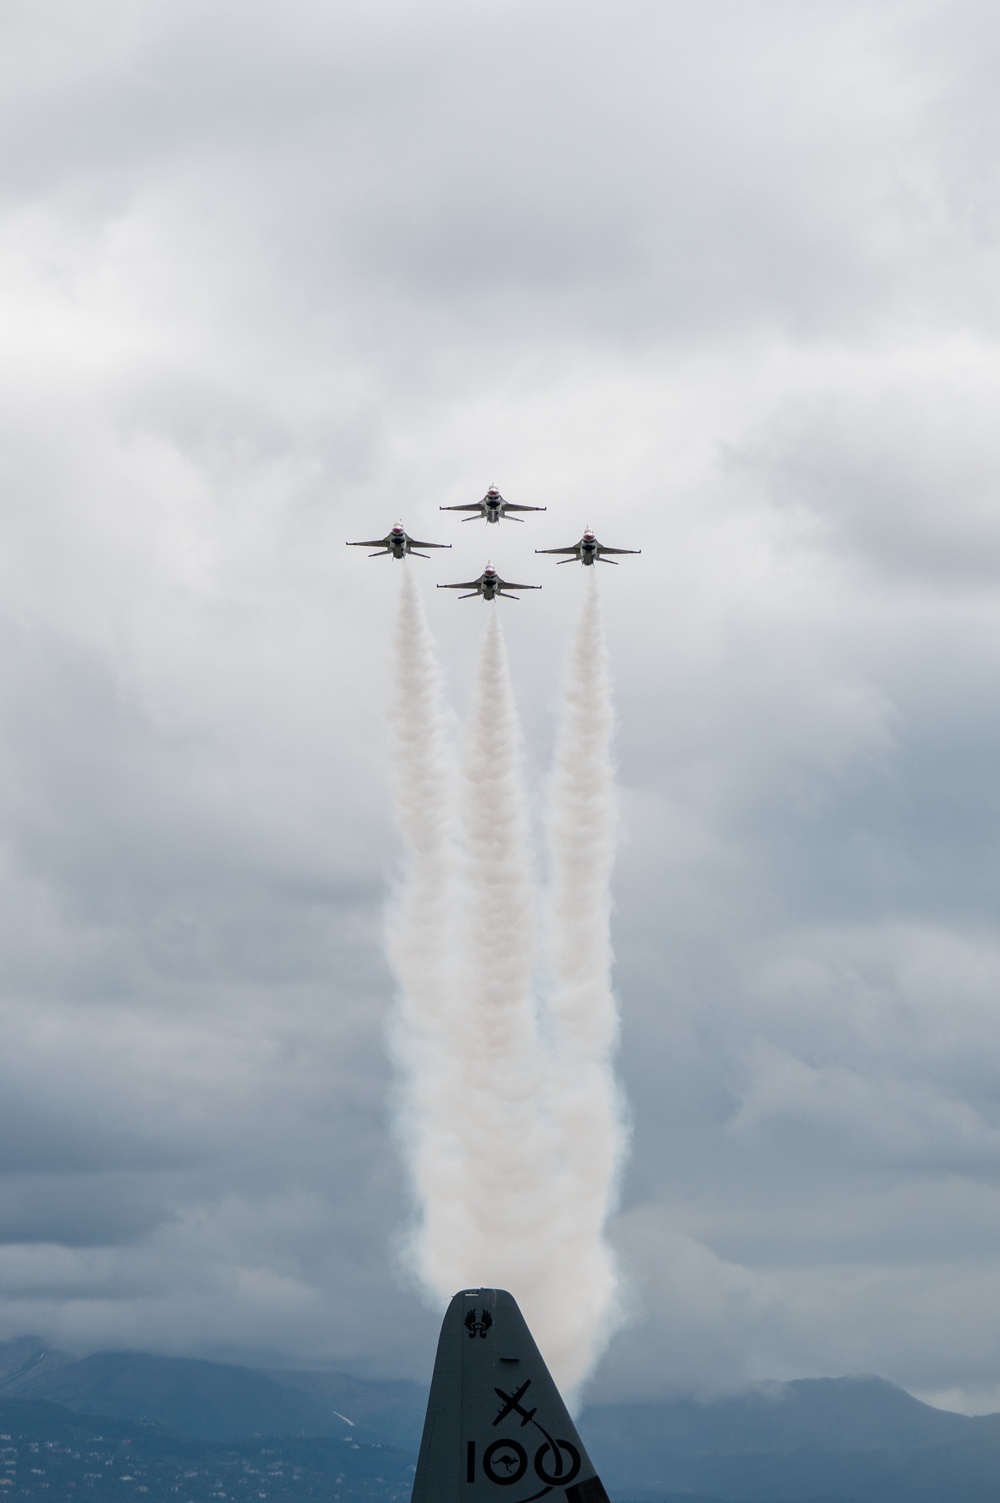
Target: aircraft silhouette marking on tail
512 1404
462 1457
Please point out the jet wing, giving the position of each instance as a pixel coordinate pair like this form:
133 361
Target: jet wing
371 543
468 584
470 506
573 551
602 549
415 544
513 506
505 584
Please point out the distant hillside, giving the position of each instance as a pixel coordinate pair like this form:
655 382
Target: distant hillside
24 1356
49 1453
831 1440
859 1439
213 1400
392 1411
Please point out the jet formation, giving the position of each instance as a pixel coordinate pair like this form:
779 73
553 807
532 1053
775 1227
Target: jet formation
397 543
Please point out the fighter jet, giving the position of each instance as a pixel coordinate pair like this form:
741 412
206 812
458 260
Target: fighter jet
398 542
495 1417
587 551
492 507
489 585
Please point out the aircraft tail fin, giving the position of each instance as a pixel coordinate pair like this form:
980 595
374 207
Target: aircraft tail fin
495 1417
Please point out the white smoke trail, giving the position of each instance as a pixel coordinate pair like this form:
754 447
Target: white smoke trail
585 1104
418 933
505 1147
465 1033
513 1142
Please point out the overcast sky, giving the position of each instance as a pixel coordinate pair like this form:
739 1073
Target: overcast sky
718 277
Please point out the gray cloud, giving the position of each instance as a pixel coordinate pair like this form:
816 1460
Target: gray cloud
719 280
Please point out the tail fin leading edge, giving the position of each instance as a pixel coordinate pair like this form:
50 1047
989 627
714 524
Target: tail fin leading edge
495 1418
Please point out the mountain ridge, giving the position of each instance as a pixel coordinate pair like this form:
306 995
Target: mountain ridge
212 1400
811 1440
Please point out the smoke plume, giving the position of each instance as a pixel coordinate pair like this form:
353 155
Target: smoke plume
585 1104
510 1117
419 940
506 1140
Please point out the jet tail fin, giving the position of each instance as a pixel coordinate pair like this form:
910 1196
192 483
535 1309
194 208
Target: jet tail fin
495 1417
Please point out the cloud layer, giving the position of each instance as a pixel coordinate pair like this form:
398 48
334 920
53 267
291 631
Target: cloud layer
720 281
